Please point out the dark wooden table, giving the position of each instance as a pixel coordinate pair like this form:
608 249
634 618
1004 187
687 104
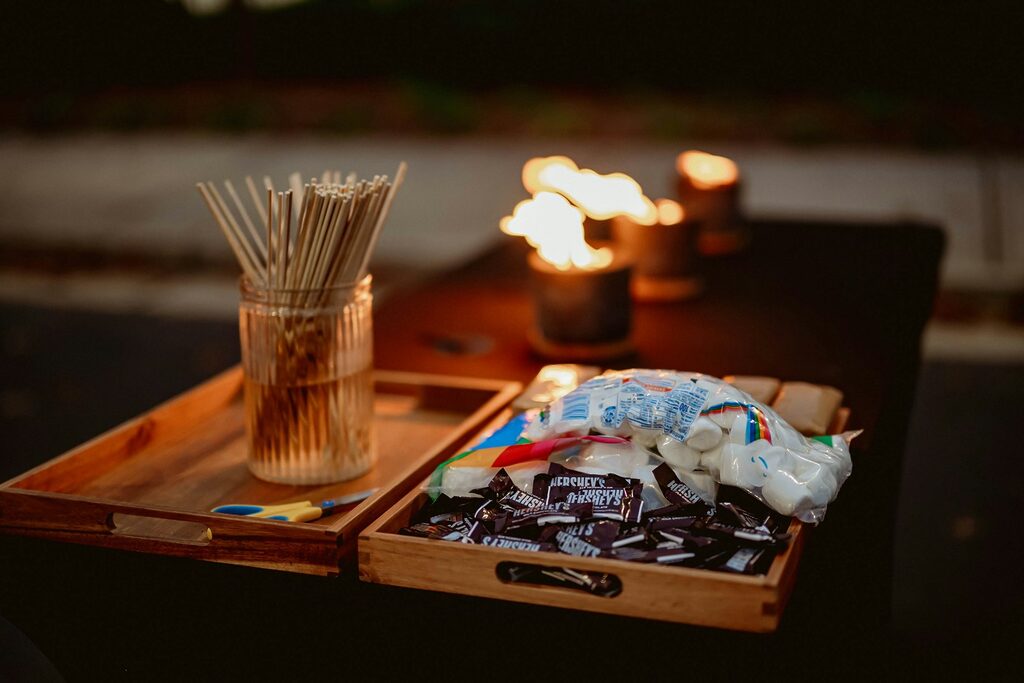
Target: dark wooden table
837 304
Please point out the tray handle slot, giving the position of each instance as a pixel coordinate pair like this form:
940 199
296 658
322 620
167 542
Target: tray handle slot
158 528
525 574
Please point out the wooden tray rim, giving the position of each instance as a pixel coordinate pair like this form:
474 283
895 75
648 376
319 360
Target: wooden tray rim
95 513
770 580
776 584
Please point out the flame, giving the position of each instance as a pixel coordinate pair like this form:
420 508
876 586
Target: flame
555 227
600 196
707 171
669 212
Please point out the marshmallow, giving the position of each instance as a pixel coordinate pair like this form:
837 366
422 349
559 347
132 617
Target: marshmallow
618 458
739 466
819 480
788 438
823 488
837 457
723 420
699 482
738 429
771 459
459 481
621 430
678 454
645 437
703 435
785 494
711 461
719 391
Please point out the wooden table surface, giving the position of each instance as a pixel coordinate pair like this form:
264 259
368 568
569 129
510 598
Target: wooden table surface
837 304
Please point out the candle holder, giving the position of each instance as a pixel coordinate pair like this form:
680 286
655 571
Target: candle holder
665 255
713 199
581 314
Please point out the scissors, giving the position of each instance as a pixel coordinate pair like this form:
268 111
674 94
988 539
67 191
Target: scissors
301 511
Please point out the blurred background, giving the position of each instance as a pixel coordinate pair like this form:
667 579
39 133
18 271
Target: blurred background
111 110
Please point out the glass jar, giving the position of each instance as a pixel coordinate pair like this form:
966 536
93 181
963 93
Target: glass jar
307 357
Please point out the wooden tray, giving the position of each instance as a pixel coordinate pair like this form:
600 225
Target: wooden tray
677 594
148 485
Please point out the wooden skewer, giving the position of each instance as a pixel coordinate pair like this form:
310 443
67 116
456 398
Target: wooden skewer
245 218
371 245
334 233
361 236
243 241
295 183
306 231
300 228
257 202
284 210
270 237
336 226
235 247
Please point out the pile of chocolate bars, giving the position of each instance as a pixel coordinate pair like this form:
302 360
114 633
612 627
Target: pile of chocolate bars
590 515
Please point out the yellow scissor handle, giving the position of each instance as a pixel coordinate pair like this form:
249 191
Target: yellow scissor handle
298 513
302 511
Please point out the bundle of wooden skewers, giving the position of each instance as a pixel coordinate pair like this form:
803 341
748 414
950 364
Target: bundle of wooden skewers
315 236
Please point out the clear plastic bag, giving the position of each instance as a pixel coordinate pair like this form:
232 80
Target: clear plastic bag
475 469
708 431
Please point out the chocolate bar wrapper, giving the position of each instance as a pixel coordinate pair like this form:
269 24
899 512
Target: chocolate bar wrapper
445 509
551 513
435 531
621 504
760 536
674 522
670 509
632 536
563 577
674 490
754 507
733 514
489 513
719 554
601 533
559 475
503 491
703 547
579 546
513 543
686 538
742 561
663 555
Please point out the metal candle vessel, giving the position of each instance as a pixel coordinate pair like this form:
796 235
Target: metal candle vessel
713 200
581 314
665 255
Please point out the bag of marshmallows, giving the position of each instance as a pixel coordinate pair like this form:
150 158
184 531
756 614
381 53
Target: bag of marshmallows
707 429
